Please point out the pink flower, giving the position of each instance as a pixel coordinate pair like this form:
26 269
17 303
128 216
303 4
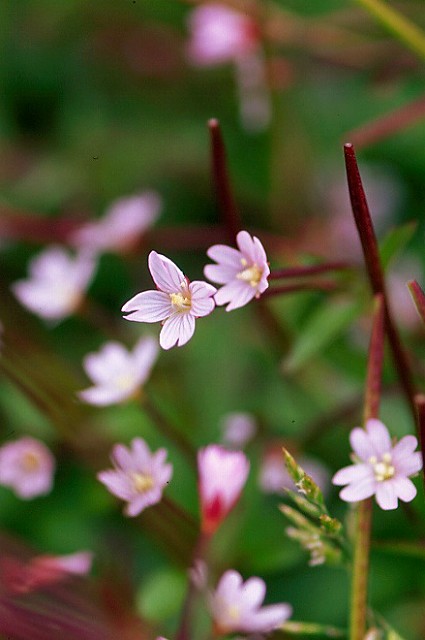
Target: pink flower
176 303
238 429
124 222
236 606
220 34
243 272
381 469
43 571
27 467
117 373
56 284
222 476
139 476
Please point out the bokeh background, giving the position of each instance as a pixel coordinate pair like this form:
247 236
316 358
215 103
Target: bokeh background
99 101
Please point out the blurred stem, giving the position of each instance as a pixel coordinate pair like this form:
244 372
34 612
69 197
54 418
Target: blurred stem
312 629
358 609
418 298
308 270
420 409
199 553
367 236
406 31
226 201
314 285
168 430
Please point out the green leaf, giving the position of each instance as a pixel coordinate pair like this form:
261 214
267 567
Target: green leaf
322 328
395 241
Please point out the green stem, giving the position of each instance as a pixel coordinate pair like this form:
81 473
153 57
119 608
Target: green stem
398 25
358 609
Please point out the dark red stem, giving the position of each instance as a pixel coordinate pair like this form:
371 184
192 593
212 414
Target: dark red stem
374 269
226 201
308 270
375 361
420 409
418 298
315 285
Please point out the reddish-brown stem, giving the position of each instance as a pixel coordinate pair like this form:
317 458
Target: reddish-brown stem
375 361
226 201
418 298
374 269
420 409
308 270
389 124
314 285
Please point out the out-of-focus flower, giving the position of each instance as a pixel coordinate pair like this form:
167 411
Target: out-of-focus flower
56 283
238 429
117 373
198 574
176 304
222 476
124 222
243 272
139 476
274 477
43 571
381 469
27 467
236 606
404 311
220 34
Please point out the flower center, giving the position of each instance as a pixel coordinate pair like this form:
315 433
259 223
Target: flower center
124 381
142 482
383 468
181 301
233 612
251 274
30 462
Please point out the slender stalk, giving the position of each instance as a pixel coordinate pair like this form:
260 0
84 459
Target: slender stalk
200 551
374 269
420 408
388 124
314 285
359 584
226 200
407 32
308 270
418 297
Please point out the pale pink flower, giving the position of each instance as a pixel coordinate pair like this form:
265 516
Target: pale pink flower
43 571
176 304
27 467
381 469
56 283
222 476
139 476
243 271
274 477
238 429
236 606
118 374
220 34
122 225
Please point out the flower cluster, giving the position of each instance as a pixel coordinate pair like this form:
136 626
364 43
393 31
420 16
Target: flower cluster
177 302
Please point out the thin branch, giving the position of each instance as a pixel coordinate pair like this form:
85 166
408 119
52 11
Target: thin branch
308 270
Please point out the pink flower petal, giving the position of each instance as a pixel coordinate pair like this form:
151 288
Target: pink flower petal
103 396
221 273
166 275
360 444
254 592
226 256
410 465
246 245
359 490
405 447
386 495
404 488
378 436
117 483
178 329
149 306
268 618
353 473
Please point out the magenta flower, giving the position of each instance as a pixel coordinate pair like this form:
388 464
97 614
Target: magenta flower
56 284
139 476
222 476
220 34
122 225
236 606
117 373
27 467
381 469
243 272
176 304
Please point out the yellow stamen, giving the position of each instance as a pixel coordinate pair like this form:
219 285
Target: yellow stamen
251 274
180 301
142 482
30 462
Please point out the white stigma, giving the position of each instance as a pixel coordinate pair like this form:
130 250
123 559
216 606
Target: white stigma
383 469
